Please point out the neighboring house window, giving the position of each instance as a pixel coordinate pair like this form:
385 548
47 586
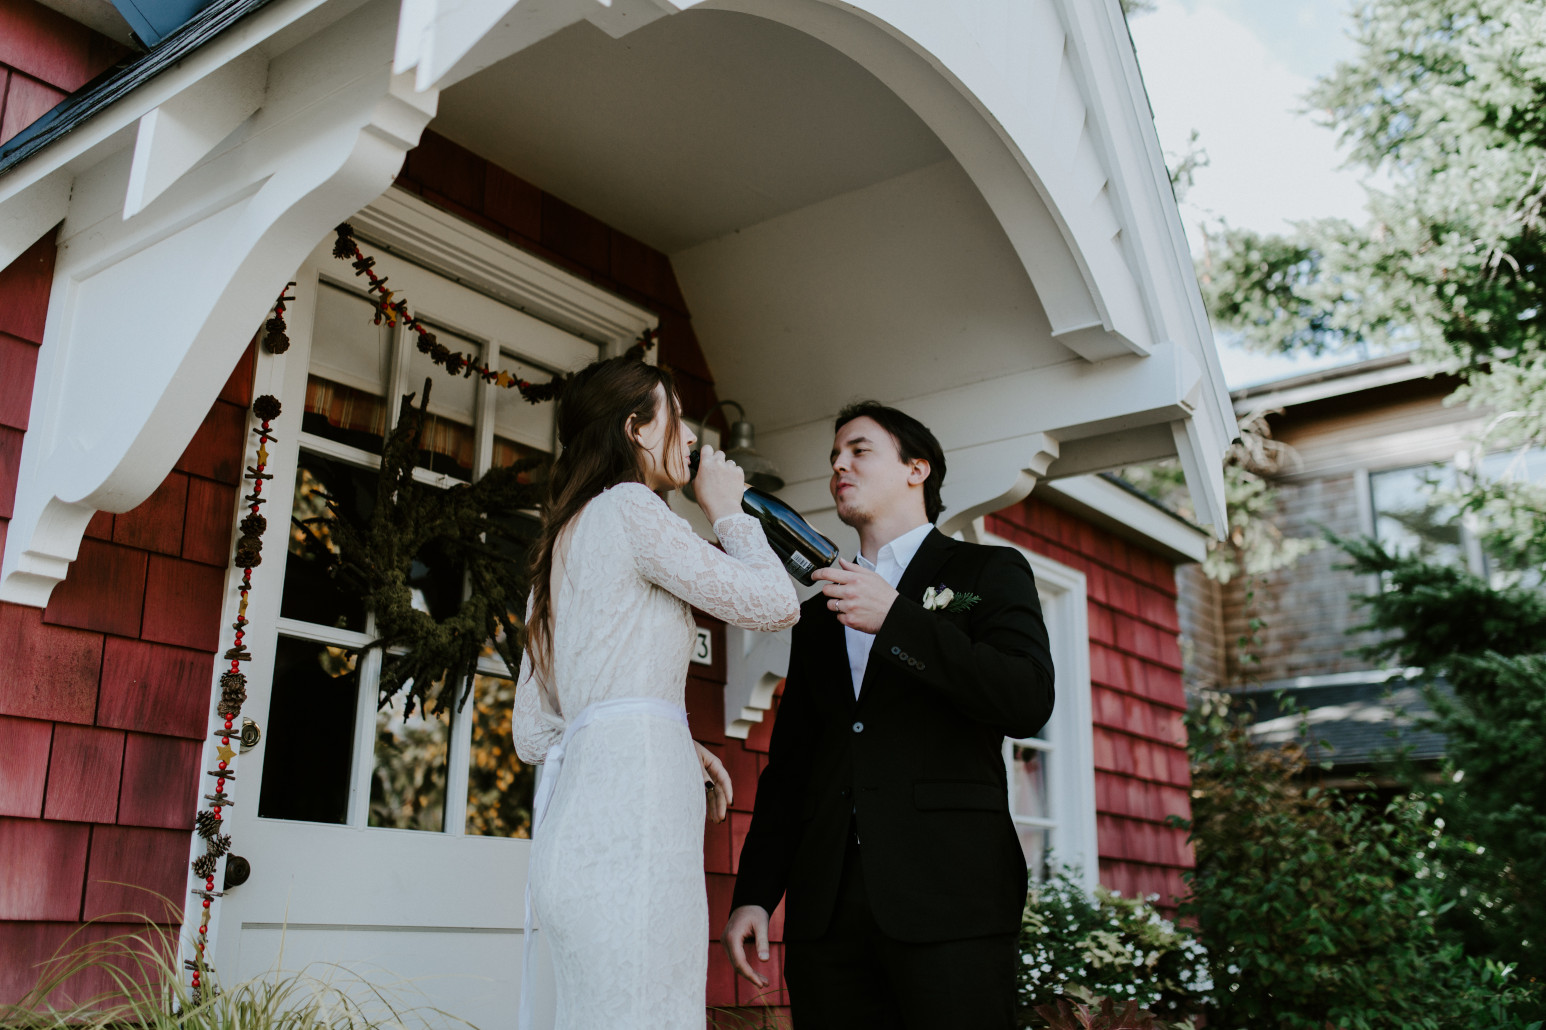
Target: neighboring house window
334 756
1414 514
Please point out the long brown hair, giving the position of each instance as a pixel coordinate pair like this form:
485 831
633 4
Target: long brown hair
595 452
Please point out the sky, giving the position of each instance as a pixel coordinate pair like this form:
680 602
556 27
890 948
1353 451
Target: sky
1237 72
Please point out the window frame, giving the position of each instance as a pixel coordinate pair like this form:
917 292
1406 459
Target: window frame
435 256
1069 736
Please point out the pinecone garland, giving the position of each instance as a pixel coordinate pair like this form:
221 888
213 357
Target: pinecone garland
207 824
204 866
219 844
254 525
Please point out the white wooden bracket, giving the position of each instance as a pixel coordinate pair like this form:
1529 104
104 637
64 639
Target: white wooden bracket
177 135
754 665
150 312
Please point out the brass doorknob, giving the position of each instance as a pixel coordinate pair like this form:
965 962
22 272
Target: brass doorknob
251 734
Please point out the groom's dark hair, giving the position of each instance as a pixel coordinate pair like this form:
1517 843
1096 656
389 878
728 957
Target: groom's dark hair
913 440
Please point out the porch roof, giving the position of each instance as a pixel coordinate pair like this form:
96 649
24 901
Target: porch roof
116 83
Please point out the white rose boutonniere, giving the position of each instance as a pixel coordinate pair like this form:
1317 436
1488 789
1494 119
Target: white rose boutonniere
943 599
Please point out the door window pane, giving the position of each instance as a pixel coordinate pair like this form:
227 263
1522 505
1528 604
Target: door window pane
350 363
408 780
311 593
448 441
1028 785
309 741
520 427
1036 842
499 784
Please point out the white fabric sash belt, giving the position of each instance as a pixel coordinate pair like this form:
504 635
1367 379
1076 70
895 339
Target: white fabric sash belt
547 784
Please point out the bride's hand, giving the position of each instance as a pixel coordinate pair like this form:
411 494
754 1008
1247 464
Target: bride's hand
716 788
719 484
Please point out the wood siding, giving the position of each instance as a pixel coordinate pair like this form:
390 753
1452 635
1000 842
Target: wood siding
1137 698
104 694
44 56
1308 610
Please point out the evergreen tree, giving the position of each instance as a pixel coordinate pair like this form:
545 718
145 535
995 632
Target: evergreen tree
1446 100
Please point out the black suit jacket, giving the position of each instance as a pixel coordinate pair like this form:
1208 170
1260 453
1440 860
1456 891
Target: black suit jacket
917 760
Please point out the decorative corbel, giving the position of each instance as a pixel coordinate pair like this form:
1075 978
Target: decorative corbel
116 399
755 663
992 476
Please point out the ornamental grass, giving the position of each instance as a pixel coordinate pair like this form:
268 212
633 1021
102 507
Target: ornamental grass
147 988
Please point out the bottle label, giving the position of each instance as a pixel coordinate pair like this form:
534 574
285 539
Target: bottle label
798 565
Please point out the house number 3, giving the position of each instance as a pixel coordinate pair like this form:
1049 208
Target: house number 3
703 648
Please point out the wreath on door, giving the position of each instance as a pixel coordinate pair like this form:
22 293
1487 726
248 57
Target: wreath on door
483 527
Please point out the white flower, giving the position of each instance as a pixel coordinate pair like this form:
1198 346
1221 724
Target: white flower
937 600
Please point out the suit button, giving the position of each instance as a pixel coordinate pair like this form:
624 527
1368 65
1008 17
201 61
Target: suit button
904 656
858 727
921 666
896 650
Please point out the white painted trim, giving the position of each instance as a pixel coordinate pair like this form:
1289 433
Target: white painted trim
404 224
1334 679
1109 506
1328 389
754 665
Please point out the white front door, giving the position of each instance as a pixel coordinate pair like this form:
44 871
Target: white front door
395 847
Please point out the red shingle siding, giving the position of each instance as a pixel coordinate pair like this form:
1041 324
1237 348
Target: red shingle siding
43 57
1136 694
101 728
459 181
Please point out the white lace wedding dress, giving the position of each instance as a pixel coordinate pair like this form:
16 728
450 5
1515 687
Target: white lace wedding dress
617 863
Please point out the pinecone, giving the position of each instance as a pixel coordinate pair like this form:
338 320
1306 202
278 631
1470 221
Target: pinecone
204 866
344 246
233 693
254 525
207 823
219 844
267 408
274 340
249 552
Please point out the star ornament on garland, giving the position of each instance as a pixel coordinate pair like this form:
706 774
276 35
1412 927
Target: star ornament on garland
225 752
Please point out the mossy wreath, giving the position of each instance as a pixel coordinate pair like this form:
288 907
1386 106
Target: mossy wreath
478 526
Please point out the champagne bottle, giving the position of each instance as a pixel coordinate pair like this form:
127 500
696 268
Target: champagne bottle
798 546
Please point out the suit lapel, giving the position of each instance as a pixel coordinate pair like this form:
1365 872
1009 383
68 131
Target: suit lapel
930 557
923 571
833 642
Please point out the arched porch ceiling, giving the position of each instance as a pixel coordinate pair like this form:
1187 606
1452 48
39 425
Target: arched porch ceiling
957 206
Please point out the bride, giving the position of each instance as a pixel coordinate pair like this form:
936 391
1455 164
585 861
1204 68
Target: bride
616 874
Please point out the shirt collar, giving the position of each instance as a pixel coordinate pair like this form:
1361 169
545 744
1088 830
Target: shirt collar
902 549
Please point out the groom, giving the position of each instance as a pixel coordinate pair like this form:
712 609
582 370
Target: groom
883 814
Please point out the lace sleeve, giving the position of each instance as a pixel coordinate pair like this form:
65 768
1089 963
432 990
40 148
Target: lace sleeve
535 725
744 585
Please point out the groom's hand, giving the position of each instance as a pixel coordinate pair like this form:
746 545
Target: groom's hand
747 921
861 598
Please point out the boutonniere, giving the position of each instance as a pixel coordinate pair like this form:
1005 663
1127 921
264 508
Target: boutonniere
943 599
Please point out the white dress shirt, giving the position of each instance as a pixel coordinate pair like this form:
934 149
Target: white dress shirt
891 562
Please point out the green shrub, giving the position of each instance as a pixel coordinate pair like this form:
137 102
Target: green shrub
1108 946
1318 909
